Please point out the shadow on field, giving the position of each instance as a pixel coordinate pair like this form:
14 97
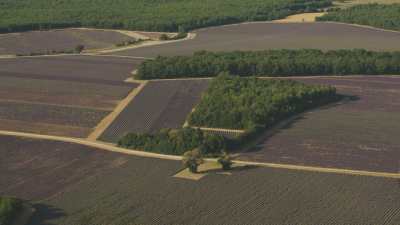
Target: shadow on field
44 214
290 122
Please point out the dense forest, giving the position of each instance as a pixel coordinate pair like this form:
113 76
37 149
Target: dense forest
272 63
175 142
248 103
382 16
149 15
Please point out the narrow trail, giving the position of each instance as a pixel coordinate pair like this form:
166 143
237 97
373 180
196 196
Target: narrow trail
112 148
107 121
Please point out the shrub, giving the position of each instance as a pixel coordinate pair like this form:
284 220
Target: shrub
9 208
225 161
79 48
192 159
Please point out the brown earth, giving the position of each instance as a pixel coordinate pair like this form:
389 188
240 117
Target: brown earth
58 40
361 132
72 184
261 36
161 104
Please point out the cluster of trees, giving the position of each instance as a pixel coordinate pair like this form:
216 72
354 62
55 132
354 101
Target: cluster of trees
175 142
272 63
253 104
154 15
377 15
9 209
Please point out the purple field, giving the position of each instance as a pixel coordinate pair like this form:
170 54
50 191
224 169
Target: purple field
161 104
361 132
72 184
261 36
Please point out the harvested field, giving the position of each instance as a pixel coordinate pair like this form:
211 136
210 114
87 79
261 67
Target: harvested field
259 36
89 69
58 40
161 104
359 133
71 184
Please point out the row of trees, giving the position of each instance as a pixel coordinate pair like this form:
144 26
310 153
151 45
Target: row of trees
272 63
252 103
154 15
175 142
377 15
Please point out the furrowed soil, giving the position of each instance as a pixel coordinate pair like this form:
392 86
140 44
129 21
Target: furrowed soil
262 36
360 132
72 184
59 40
161 104
89 69
65 96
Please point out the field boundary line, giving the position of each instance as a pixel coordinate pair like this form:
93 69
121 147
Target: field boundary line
110 147
107 121
321 169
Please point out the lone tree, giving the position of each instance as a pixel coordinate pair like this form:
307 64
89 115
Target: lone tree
79 48
225 161
192 159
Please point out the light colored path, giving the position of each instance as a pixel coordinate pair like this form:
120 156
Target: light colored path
219 129
106 122
113 148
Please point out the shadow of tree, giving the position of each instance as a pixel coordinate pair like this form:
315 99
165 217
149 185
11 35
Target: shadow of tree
290 122
44 214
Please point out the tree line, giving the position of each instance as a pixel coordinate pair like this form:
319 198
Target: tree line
175 141
272 63
376 15
154 15
252 103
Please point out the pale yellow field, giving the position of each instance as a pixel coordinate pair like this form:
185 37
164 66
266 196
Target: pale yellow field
298 18
349 3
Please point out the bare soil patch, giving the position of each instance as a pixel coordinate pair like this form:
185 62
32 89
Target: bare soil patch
72 184
259 36
59 40
161 104
359 133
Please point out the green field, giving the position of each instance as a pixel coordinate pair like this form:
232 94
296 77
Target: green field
155 15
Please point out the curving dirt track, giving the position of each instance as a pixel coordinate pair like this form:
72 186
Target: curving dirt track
359 133
259 36
72 184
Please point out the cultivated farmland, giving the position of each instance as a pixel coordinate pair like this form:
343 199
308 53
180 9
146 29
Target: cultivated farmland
43 95
80 185
89 69
259 36
58 40
161 104
359 133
